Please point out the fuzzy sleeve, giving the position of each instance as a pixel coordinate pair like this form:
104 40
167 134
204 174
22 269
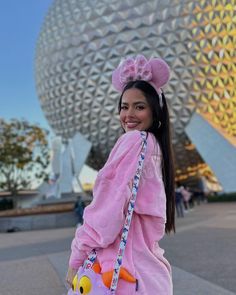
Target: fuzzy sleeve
104 217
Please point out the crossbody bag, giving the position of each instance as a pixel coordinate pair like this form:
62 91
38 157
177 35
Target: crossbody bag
88 279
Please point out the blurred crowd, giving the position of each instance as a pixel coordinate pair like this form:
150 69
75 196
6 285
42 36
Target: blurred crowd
186 198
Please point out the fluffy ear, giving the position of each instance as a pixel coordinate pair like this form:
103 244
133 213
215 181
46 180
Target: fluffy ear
160 72
116 82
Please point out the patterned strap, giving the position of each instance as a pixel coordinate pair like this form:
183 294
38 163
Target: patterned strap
90 259
129 215
93 254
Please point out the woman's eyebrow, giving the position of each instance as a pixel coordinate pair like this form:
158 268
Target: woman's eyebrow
136 102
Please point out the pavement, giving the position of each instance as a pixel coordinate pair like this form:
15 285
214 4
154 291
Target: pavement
202 255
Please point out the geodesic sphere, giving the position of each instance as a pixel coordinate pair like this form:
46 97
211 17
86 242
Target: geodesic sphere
81 42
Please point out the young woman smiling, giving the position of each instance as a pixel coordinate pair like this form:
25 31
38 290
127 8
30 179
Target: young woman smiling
143 109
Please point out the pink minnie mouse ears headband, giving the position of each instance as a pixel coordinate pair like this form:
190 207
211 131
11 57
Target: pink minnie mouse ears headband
154 71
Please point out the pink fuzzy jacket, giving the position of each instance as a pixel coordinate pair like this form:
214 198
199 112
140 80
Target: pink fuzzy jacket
104 218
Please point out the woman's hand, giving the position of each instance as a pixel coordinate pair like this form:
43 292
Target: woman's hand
70 275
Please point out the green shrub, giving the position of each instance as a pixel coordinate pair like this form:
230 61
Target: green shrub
6 204
223 198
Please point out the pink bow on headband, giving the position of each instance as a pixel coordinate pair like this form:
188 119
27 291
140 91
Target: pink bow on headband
155 71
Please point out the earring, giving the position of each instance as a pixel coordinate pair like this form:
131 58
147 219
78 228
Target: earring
157 123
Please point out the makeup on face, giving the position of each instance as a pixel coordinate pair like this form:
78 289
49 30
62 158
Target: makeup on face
135 113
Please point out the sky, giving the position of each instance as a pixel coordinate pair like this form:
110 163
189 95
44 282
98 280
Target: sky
20 25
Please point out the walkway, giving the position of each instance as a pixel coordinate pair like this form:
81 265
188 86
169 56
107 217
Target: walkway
202 254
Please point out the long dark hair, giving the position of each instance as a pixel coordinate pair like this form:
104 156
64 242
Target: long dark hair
161 130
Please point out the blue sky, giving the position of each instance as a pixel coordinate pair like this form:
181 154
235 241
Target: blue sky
20 24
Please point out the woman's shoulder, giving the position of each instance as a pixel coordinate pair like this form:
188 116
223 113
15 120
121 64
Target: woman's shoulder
130 136
135 135
134 138
126 143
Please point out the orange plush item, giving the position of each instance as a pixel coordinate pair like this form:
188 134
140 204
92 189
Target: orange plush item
124 274
107 276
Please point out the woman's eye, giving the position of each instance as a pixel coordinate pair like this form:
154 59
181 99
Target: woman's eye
137 108
140 107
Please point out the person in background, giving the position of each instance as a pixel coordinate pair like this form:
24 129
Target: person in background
79 210
179 202
186 197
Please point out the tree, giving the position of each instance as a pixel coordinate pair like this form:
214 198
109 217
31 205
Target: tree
24 155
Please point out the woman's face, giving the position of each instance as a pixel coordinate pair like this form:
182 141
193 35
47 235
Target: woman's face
135 113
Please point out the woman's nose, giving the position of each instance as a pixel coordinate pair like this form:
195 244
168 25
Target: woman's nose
130 112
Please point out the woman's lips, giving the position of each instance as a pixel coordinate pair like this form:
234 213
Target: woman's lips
131 124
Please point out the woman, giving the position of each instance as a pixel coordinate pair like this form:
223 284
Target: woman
142 107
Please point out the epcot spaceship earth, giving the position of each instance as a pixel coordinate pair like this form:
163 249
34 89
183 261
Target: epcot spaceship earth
82 41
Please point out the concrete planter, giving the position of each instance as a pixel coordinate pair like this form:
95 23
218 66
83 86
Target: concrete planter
39 221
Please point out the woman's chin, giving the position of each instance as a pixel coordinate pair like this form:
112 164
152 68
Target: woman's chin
132 129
